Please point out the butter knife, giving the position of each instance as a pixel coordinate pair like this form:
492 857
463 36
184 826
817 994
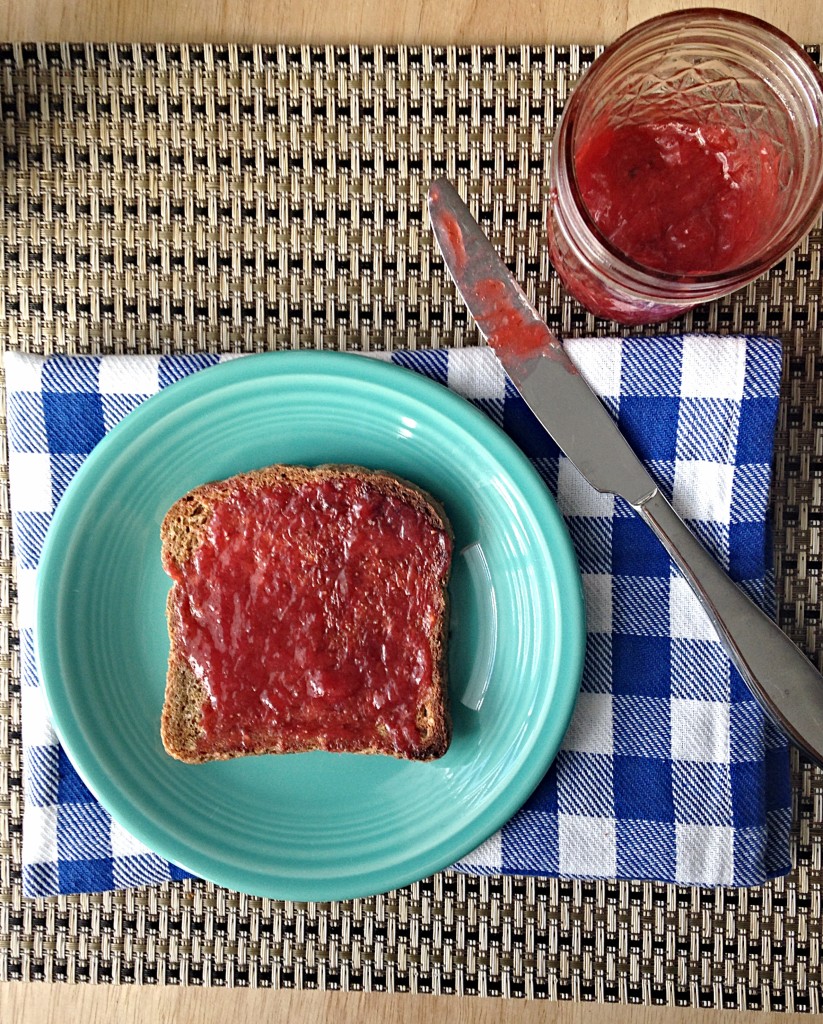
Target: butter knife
778 673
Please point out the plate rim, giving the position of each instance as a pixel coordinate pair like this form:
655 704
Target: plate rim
311 364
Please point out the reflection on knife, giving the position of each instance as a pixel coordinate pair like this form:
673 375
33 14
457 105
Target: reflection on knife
777 672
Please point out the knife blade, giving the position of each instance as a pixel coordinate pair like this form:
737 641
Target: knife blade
779 675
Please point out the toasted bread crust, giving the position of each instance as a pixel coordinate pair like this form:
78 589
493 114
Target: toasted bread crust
181 533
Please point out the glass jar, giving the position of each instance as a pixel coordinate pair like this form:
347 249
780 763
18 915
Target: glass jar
688 160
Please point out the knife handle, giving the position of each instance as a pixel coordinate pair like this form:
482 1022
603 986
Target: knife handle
779 674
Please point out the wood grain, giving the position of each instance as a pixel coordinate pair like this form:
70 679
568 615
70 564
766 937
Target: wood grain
55 1004
364 21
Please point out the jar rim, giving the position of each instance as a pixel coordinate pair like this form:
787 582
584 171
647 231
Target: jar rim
691 17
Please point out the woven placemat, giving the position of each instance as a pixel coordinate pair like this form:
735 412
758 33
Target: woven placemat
159 199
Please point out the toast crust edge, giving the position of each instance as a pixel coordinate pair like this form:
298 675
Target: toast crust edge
181 532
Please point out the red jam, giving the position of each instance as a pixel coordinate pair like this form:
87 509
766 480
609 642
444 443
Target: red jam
309 612
681 198
505 326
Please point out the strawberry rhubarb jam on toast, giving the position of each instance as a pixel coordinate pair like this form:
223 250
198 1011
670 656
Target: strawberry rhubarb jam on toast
308 611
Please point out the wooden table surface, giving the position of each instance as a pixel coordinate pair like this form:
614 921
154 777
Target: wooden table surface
340 22
365 21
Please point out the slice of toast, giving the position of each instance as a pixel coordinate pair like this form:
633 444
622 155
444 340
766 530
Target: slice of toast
308 611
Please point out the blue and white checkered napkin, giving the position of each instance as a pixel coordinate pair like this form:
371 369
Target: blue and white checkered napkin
668 772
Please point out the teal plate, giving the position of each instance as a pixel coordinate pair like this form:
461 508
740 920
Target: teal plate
312 826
